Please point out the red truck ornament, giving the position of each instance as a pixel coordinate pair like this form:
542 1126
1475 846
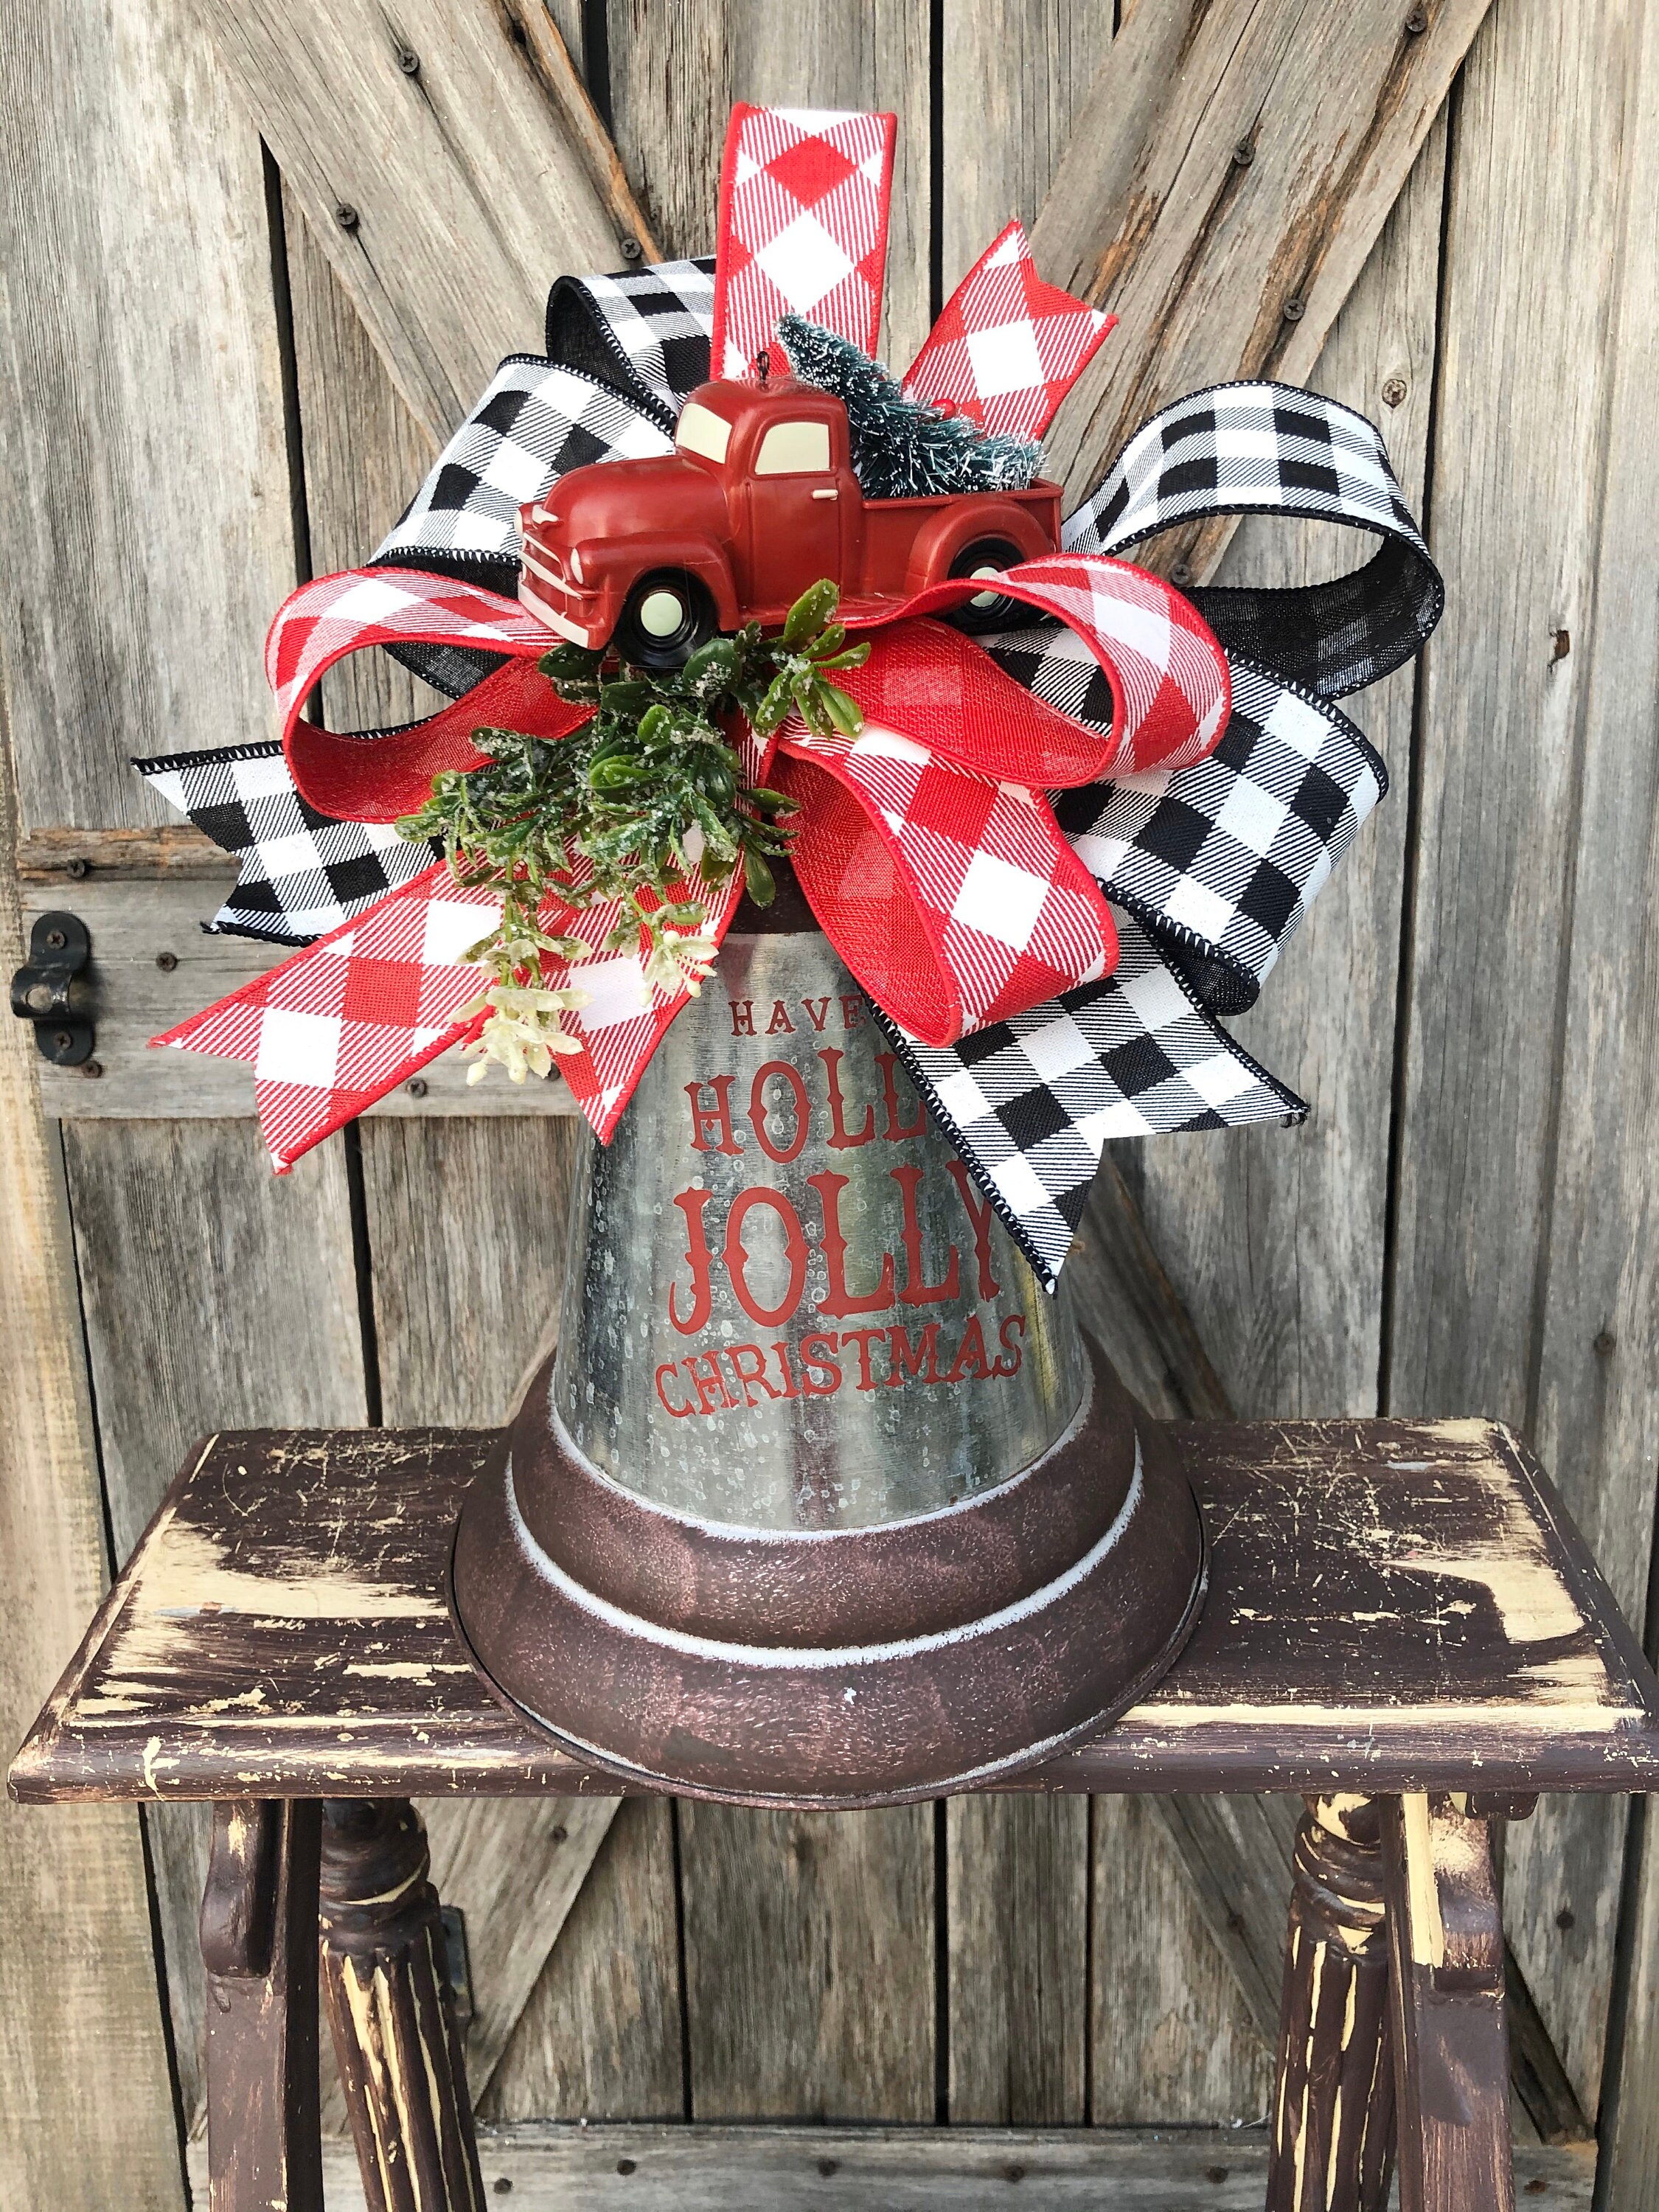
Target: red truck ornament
756 502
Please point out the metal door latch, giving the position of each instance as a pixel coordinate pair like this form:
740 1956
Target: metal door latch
53 991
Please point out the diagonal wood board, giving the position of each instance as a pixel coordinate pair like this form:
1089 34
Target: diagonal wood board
1229 172
448 168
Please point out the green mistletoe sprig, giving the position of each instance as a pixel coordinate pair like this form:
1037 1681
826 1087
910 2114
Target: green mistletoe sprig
651 786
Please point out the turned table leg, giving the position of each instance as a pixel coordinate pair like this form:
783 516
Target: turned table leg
1451 2035
259 1930
1332 2110
392 2013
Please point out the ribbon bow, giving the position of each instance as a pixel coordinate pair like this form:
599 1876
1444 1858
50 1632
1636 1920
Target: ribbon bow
1206 783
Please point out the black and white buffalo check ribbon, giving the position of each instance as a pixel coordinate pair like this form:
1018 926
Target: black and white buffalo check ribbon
1212 866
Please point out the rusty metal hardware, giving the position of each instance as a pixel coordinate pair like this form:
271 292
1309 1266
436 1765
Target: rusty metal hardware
52 990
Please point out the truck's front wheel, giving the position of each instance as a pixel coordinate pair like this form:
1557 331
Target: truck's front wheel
988 609
665 618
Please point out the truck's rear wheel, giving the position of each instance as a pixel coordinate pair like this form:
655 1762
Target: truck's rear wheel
985 556
665 618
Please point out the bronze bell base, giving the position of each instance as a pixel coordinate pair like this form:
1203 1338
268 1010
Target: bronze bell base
856 1667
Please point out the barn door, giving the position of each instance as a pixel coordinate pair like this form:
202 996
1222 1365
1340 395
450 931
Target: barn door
258 261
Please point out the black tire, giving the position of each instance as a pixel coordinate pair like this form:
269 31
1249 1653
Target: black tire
991 610
641 636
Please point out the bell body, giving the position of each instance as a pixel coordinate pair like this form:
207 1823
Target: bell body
787 1305
823 1499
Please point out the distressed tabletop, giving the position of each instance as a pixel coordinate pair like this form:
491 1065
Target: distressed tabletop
1393 1605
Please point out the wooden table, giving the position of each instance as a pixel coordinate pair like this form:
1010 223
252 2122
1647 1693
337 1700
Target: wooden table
1402 1625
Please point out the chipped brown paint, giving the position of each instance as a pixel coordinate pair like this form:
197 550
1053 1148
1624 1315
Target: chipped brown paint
1383 1601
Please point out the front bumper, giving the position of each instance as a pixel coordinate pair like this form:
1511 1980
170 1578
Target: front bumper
581 617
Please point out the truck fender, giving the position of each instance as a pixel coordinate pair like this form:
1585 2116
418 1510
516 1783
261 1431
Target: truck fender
943 536
618 565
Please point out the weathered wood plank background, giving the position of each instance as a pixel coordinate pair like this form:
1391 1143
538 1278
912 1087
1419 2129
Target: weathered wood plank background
217 381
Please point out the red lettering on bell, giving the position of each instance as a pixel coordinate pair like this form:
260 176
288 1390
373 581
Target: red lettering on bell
821 1362
852 1011
736 1258
841 1139
817 1013
864 1338
717 1116
973 1343
743 1017
790 1390
1016 1321
979 1214
839 1302
713 1381
736 1354
692 1203
675 1412
888 1063
917 1292
779 1023
905 1358
757 1110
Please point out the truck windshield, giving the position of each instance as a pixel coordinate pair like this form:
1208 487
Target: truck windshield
701 431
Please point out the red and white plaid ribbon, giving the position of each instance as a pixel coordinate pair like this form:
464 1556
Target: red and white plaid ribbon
1008 348
803 228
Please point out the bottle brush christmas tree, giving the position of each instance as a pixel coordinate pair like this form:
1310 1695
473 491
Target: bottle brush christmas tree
904 448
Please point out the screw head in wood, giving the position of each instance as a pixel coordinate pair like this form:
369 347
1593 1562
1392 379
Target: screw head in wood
1181 575
1566 1918
1294 310
77 867
1417 22
347 216
166 962
1243 153
1394 391
416 1086
625 2166
92 1069
408 61
630 249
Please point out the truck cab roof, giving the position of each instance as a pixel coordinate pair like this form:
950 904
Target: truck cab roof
781 427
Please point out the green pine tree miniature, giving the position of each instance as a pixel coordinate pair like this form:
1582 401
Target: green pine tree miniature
904 448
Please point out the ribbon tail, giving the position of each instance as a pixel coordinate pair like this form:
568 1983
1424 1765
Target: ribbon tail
1007 348
1030 1104
335 1029
803 228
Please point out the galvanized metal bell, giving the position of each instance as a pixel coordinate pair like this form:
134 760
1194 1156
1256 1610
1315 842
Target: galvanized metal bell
823 1499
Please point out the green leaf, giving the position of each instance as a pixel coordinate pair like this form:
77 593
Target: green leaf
757 878
629 695
843 711
712 668
854 657
811 612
